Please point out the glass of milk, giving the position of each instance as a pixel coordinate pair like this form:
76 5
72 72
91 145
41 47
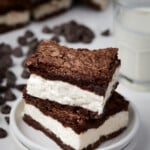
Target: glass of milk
132 37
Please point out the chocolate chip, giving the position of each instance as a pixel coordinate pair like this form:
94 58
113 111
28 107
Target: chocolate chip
29 34
58 30
33 44
2 100
7 119
22 41
5 49
9 95
5 109
106 33
3 133
17 52
56 39
6 62
46 29
20 87
25 74
10 78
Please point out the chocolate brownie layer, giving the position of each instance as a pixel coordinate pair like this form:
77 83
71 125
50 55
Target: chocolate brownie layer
6 28
91 70
51 135
79 119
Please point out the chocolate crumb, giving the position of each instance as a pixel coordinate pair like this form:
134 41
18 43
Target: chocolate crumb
106 33
2 100
9 95
3 89
17 52
46 29
22 41
3 133
25 74
5 109
7 119
55 38
10 78
29 34
20 87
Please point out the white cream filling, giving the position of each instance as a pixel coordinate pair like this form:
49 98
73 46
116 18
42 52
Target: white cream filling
68 94
78 141
101 3
15 17
51 7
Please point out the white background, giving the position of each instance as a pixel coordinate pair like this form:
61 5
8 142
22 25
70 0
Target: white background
98 21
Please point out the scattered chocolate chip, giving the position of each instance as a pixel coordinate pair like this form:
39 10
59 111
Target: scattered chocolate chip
74 32
55 38
2 100
3 89
6 62
10 78
33 44
17 52
5 49
25 74
3 133
29 34
20 87
9 96
106 33
7 119
22 41
46 29
5 109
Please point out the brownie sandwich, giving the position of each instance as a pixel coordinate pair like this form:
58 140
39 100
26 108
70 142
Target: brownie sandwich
14 14
73 90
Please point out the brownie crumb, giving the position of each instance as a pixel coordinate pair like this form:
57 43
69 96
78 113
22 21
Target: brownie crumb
17 52
55 38
46 30
7 119
20 87
5 109
9 95
106 33
3 133
10 78
29 34
22 41
25 74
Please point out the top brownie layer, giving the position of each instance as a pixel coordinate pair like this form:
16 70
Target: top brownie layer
91 70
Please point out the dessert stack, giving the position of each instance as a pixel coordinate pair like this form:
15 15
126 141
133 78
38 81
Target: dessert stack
70 95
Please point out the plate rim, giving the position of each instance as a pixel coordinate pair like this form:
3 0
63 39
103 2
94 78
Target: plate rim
30 143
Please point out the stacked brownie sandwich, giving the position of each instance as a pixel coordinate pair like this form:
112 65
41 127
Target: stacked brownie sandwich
70 95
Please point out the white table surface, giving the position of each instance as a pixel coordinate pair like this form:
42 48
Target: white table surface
98 21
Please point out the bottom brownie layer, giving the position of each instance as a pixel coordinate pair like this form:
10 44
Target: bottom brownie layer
51 135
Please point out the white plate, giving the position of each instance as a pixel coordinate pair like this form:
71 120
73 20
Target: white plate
36 140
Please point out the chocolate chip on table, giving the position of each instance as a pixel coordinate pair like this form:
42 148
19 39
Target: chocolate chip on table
33 44
58 30
17 52
29 34
2 100
10 78
22 41
25 74
55 38
6 62
106 33
3 133
3 89
20 87
5 49
5 109
7 119
46 29
9 95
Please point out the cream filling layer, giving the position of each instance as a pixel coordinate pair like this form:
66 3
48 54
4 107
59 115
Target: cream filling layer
68 94
15 17
50 7
82 140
